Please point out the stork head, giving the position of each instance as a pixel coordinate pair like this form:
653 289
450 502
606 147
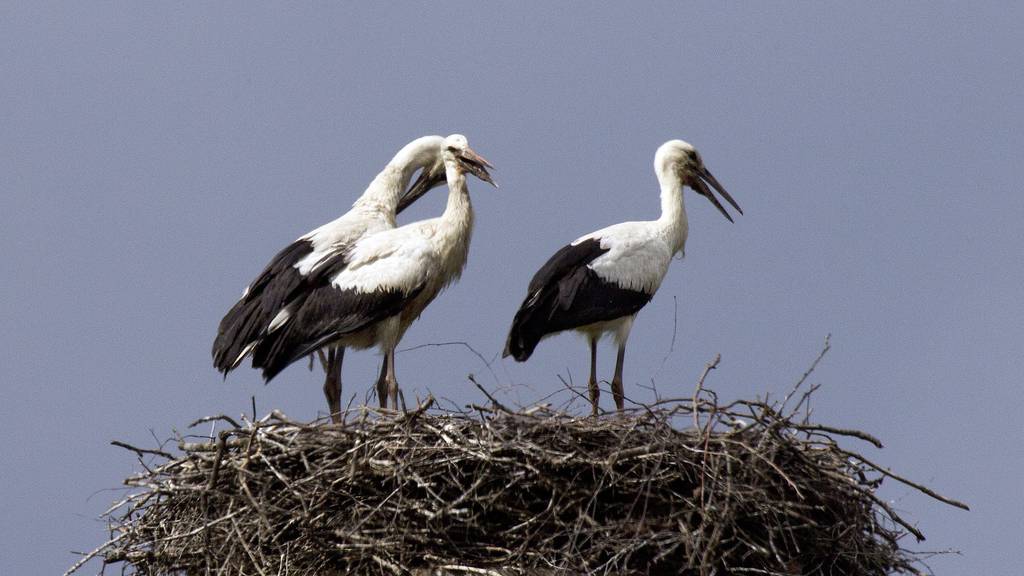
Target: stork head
457 150
454 148
682 160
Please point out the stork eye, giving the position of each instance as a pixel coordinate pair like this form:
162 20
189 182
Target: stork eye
453 149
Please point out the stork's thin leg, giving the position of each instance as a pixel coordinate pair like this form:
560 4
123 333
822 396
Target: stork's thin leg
382 386
392 380
332 382
327 360
620 402
595 392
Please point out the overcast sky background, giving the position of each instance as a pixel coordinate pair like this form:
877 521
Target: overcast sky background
154 156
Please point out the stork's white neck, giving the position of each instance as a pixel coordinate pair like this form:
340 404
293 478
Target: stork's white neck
382 194
456 223
458 212
673 222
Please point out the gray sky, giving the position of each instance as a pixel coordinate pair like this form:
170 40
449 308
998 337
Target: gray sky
153 157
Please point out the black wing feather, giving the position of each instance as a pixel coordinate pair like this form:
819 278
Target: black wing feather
564 294
275 286
324 315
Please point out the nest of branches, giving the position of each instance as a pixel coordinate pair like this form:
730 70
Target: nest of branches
680 487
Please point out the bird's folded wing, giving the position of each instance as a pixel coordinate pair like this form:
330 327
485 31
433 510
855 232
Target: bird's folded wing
262 300
377 282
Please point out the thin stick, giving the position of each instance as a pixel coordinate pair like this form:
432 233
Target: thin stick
493 400
700 386
141 451
97 551
459 343
924 489
672 344
807 373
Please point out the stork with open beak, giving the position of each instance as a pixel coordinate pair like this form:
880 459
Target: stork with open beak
598 283
370 293
287 279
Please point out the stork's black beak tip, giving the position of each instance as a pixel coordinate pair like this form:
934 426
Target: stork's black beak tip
700 184
477 165
428 180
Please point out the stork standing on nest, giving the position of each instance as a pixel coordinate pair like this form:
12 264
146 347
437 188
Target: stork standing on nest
598 283
370 293
294 271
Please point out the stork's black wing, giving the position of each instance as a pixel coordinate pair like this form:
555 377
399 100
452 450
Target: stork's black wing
565 293
275 286
322 316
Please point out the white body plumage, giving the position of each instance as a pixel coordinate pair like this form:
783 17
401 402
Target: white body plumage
374 211
358 281
423 257
598 283
269 303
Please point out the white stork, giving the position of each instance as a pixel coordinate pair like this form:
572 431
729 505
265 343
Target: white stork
290 274
598 283
371 292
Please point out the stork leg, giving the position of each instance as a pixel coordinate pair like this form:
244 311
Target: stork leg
620 400
392 381
382 386
332 382
595 392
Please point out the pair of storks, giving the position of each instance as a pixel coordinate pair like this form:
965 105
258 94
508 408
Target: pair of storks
360 281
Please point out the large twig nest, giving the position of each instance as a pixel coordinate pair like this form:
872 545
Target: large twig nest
735 489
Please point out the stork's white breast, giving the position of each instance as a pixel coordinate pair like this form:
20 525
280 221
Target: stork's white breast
339 234
398 259
637 257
